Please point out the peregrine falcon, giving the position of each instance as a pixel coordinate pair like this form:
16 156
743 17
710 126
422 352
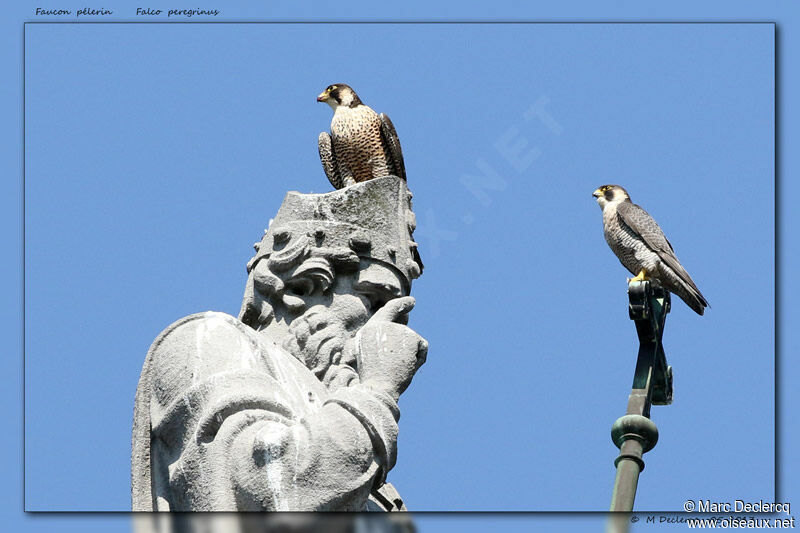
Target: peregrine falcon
362 144
637 240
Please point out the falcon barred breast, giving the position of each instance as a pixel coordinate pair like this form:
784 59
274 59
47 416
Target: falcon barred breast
362 144
637 240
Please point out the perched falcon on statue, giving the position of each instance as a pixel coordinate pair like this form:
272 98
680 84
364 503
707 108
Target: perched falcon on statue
362 144
637 240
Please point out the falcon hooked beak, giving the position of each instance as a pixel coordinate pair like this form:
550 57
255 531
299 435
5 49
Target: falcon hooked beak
323 96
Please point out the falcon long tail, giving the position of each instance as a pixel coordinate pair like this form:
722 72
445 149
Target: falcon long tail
685 291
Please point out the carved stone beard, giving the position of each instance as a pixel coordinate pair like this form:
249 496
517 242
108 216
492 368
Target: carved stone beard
316 339
323 340
314 310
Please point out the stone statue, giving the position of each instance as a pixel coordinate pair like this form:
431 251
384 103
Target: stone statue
292 406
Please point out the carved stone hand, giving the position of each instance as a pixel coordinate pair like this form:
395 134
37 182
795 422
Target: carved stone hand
388 353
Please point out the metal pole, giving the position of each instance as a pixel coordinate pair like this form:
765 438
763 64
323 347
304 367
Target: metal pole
635 435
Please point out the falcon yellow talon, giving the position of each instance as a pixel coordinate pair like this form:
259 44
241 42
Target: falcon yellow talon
641 276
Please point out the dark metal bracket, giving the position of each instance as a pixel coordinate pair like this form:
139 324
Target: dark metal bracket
648 306
635 434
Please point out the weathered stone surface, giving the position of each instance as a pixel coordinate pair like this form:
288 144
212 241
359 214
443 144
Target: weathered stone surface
293 405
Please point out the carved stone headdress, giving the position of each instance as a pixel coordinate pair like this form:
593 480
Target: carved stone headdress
372 219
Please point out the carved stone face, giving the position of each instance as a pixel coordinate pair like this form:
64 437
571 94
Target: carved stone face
315 318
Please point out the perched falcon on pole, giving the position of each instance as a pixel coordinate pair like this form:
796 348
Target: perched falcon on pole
362 144
637 240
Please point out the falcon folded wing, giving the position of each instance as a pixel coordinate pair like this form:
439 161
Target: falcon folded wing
392 143
650 232
328 159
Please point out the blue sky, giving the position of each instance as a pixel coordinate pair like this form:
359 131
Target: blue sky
156 155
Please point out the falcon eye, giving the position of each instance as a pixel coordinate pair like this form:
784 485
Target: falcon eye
332 88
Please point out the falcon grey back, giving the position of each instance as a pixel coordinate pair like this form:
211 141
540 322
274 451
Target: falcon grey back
639 243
